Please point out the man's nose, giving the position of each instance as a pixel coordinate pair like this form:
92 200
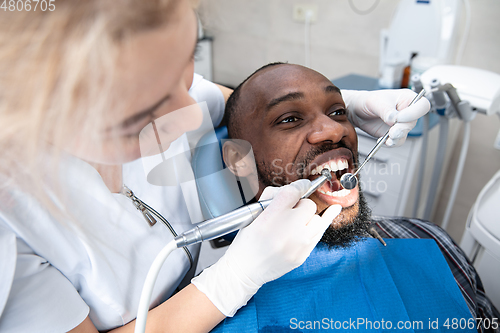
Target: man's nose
326 129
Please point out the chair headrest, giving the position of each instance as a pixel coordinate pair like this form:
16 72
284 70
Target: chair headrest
218 188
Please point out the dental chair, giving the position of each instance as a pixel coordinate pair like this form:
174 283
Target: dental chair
481 239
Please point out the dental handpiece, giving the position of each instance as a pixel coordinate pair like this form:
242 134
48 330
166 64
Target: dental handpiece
349 180
237 219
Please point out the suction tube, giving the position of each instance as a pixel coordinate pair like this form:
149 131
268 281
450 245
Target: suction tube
458 175
440 104
423 154
438 166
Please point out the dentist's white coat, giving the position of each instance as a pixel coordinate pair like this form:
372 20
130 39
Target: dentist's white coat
52 276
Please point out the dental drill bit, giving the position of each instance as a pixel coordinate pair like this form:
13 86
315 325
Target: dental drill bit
315 184
376 235
349 180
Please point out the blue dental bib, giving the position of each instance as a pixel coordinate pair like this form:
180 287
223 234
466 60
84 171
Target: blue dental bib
404 287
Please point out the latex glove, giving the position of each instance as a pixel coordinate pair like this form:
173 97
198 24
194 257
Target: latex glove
375 111
278 241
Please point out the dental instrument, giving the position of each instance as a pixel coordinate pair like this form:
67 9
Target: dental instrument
376 235
238 218
208 230
349 180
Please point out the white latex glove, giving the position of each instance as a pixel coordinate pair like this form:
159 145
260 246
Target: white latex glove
278 241
375 111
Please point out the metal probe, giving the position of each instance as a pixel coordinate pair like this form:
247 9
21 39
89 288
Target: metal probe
237 219
349 180
376 235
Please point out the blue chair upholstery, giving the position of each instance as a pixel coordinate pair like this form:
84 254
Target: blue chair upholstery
218 188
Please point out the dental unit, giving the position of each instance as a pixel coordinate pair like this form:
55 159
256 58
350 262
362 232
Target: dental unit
455 92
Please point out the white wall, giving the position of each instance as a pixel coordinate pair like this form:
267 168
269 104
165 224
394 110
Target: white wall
250 33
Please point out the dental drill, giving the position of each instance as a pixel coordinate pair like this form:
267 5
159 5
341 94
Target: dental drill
208 230
349 180
237 219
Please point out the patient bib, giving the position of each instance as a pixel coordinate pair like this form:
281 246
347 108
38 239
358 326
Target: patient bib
404 287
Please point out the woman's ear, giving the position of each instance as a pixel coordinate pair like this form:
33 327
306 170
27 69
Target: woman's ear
237 158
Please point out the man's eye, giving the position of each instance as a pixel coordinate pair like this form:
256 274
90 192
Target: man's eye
339 112
289 120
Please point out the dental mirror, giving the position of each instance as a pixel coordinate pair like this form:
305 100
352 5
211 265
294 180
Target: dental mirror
349 180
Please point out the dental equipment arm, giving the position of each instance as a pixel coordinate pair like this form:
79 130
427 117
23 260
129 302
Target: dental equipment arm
465 113
469 91
376 111
278 241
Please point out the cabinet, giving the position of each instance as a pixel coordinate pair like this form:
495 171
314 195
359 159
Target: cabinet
386 178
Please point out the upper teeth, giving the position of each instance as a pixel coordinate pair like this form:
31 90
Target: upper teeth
332 166
340 193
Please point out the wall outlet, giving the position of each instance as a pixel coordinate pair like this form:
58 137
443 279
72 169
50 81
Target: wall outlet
300 11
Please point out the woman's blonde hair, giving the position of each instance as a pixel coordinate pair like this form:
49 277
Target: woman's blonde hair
56 68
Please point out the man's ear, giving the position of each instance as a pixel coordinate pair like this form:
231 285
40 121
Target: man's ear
237 158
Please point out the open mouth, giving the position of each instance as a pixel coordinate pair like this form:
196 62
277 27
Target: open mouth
338 162
332 187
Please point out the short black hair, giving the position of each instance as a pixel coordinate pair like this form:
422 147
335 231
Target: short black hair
232 110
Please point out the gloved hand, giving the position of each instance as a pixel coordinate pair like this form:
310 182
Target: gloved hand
375 111
278 241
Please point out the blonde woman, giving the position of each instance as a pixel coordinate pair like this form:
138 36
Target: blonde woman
78 84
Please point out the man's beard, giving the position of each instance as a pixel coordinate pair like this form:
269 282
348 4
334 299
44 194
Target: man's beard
349 231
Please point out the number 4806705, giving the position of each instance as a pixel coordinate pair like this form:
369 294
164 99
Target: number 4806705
28 5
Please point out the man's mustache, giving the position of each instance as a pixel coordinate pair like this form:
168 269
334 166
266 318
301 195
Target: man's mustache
318 150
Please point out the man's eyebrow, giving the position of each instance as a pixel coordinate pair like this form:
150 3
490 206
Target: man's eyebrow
286 98
332 89
143 114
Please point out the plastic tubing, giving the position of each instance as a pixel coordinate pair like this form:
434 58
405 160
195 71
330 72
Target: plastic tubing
438 166
458 175
423 154
147 289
